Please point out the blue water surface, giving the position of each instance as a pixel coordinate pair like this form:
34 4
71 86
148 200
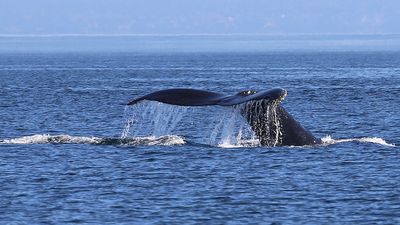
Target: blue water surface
62 159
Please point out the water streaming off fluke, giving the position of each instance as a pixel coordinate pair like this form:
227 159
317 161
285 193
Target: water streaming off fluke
211 125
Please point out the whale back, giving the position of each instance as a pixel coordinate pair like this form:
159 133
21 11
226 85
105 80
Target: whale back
274 126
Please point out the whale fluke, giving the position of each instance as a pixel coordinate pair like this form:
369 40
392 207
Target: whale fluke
272 124
193 97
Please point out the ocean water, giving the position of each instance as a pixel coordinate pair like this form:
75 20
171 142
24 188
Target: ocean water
71 151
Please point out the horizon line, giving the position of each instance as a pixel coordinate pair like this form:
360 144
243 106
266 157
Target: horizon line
194 34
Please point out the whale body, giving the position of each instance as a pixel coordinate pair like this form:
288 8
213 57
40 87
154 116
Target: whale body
271 123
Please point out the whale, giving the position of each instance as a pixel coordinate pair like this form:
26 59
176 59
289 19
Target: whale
269 120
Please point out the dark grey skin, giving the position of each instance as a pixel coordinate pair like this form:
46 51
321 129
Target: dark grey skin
290 132
272 124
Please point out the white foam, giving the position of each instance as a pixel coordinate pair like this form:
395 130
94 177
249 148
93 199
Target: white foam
54 139
162 140
327 140
67 139
240 144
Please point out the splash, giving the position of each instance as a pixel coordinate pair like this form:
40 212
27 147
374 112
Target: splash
67 139
226 127
211 125
151 118
231 130
328 140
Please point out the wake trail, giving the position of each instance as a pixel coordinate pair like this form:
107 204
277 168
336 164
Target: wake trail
328 140
165 140
68 139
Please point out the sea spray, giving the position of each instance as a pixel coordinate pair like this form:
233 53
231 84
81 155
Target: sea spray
232 130
213 125
151 119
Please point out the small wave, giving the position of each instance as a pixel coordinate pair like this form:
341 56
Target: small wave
328 140
67 139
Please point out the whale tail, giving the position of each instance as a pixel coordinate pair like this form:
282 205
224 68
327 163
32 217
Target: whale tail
272 124
193 97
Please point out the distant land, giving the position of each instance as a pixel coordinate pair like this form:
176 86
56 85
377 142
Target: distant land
197 42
